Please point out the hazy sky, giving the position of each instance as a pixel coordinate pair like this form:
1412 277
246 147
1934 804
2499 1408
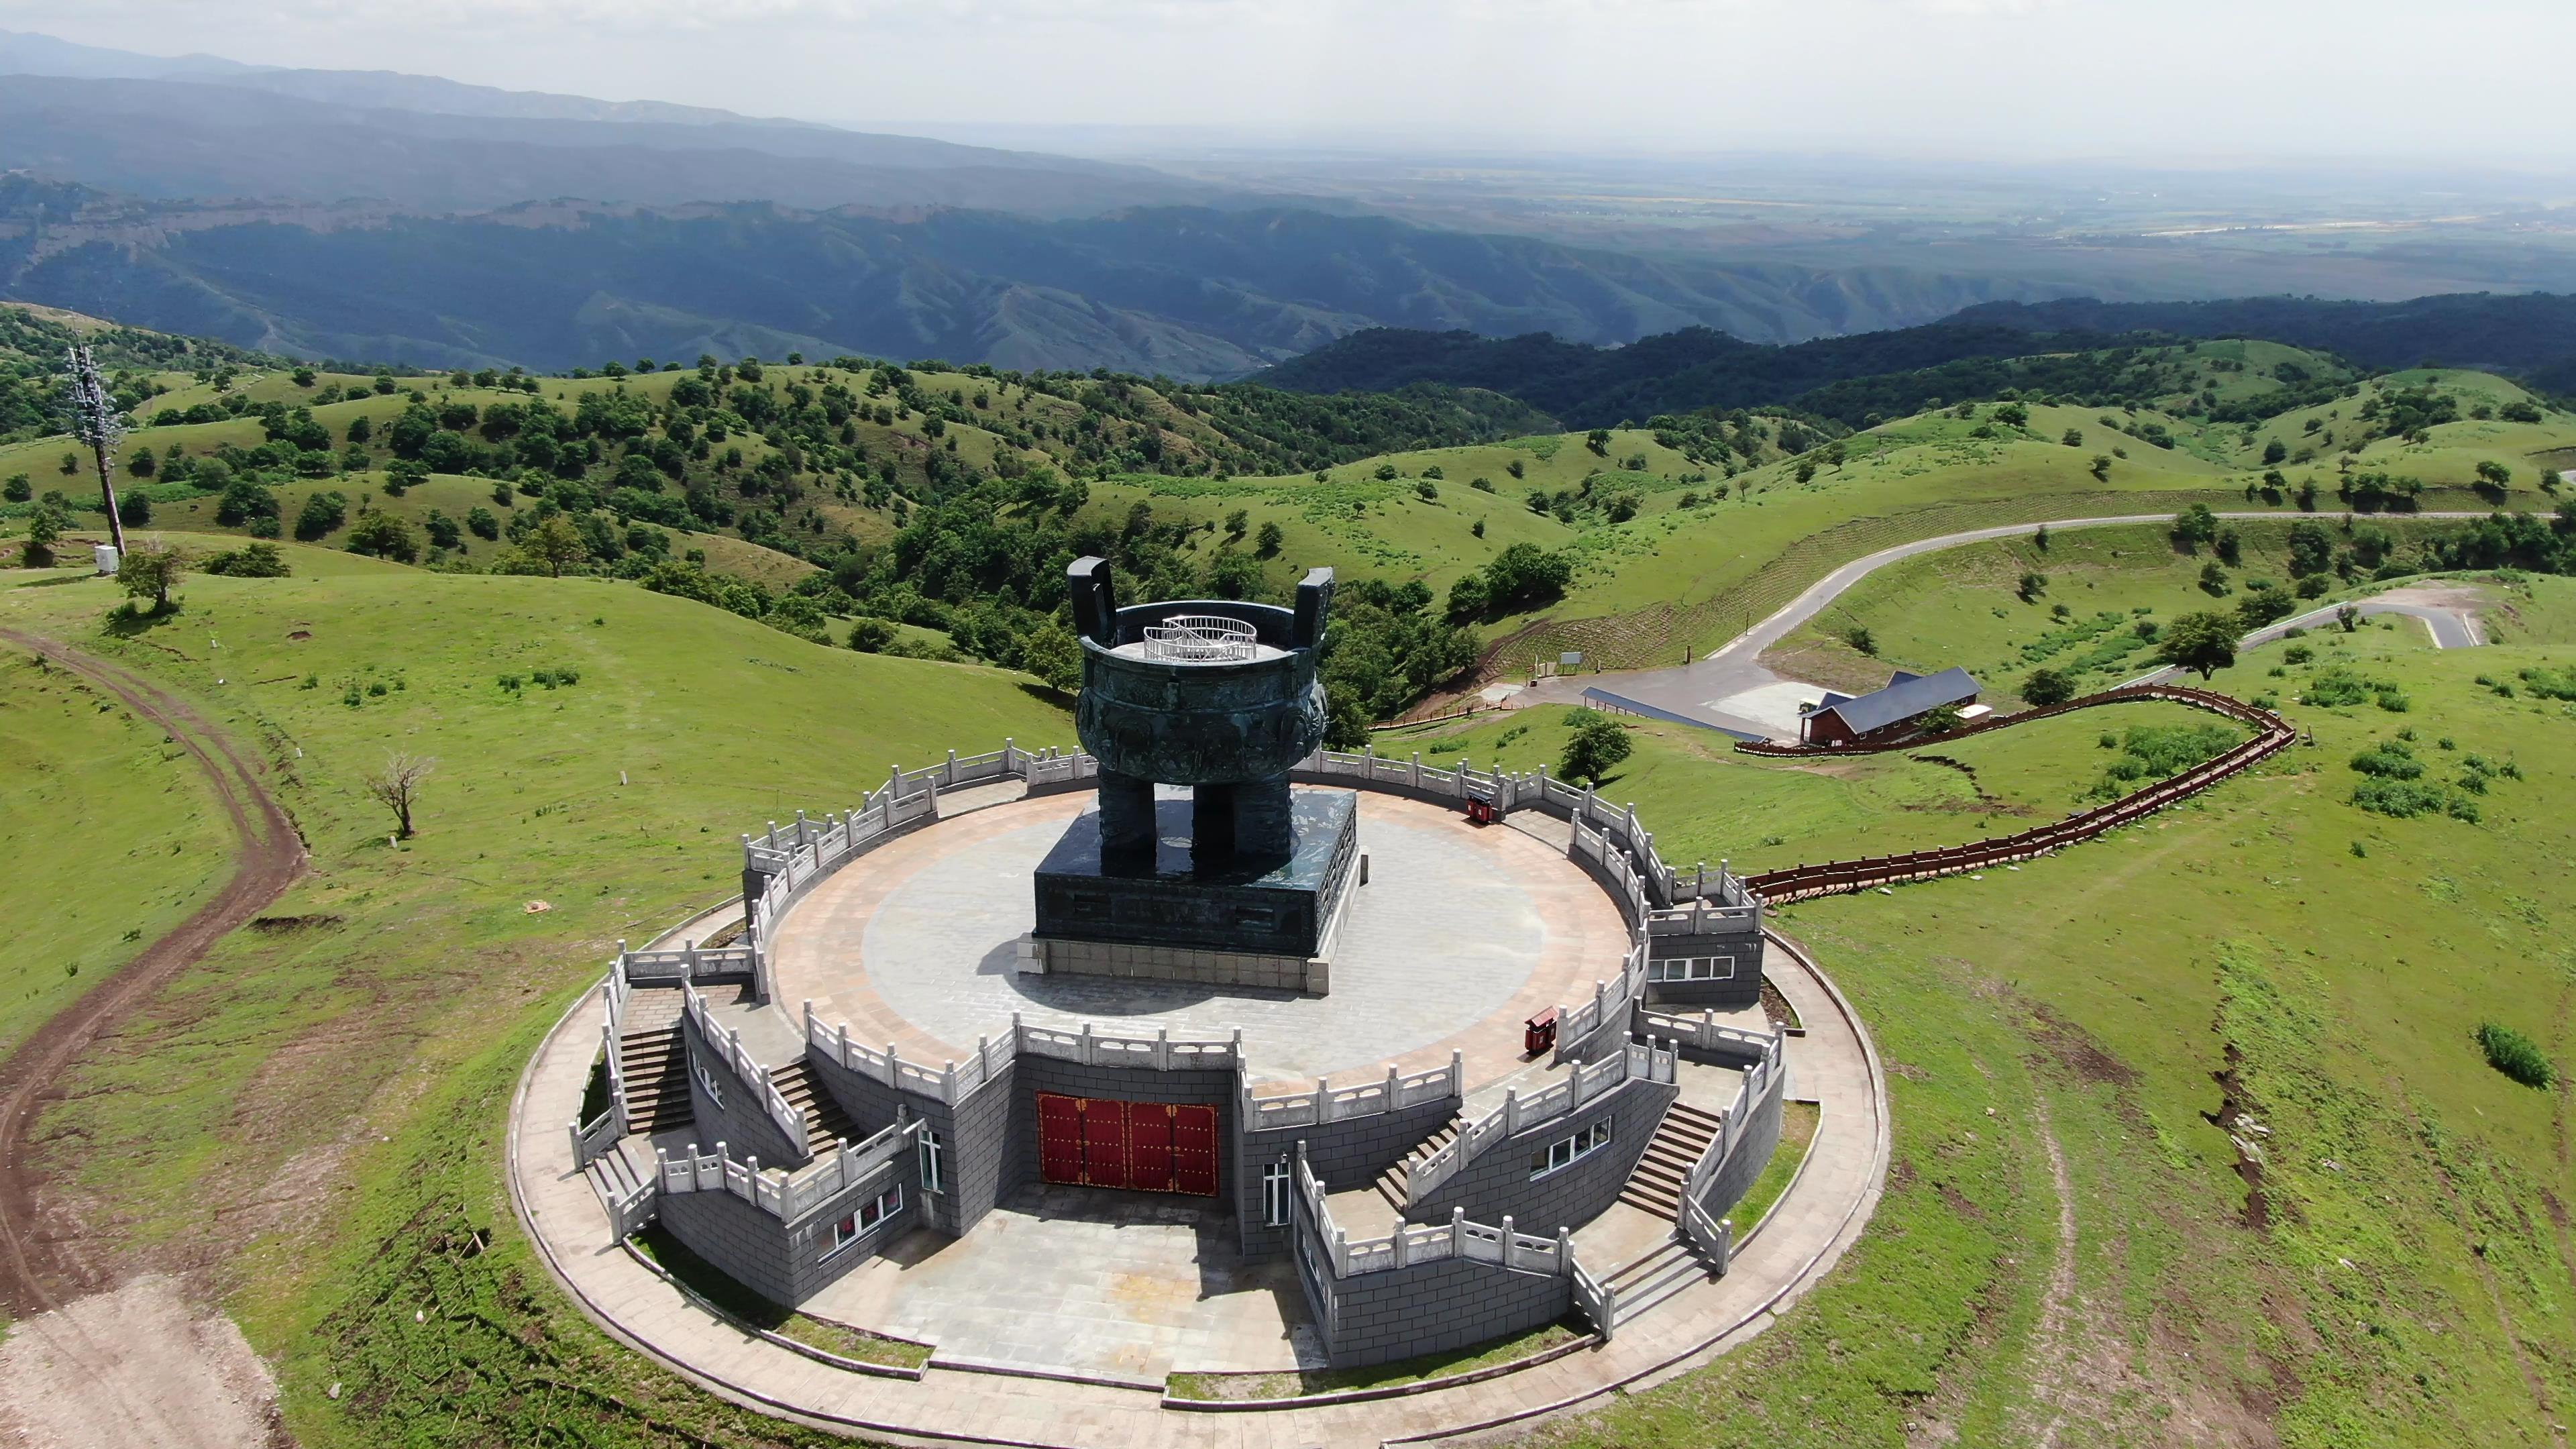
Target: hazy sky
2484 80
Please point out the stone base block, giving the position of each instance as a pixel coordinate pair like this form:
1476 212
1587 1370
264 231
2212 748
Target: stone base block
1183 898
1310 975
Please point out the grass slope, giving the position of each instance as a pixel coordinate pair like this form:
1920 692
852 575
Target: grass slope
2073 1243
1963 606
111 835
1706 802
239 1124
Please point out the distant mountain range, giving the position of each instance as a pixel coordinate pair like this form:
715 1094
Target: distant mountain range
1191 292
414 219
429 145
2532 336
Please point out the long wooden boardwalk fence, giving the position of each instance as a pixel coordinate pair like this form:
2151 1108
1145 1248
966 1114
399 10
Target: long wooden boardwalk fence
1803 882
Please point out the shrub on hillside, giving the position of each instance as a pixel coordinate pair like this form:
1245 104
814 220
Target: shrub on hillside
322 513
2516 1055
1598 742
2047 686
2389 760
254 560
383 536
2158 752
872 636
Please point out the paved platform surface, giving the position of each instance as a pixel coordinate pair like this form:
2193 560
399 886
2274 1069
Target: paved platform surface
1121 1285
1461 934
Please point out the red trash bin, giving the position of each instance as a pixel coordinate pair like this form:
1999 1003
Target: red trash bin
1538 1034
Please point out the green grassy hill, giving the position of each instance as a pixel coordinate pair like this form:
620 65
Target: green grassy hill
1965 606
112 836
2070 1229
2073 1234
559 818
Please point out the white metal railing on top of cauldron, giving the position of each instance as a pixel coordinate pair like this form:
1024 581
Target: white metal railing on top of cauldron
1199 639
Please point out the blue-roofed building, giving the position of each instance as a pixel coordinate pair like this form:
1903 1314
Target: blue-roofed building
1843 719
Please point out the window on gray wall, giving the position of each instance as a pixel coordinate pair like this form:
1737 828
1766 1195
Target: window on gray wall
1564 1151
934 1162
1692 968
866 1219
1274 1195
715 1089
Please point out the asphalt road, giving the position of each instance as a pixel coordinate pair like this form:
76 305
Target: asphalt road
1699 689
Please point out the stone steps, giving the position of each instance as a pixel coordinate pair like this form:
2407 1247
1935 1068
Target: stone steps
1655 1185
655 1066
825 1123
1395 1184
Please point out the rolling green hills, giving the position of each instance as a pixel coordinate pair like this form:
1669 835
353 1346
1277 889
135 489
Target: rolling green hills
1976 352
2071 1226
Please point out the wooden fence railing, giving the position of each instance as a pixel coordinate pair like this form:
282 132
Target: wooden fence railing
1802 882
2216 703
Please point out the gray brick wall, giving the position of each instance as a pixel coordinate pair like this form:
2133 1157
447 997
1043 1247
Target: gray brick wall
1741 990
975 1133
742 1124
1498 1183
783 1262
1375 1318
1345 1154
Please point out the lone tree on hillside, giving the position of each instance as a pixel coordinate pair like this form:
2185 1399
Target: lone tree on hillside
1598 742
2204 641
397 787
150 570
2045 687
44 530
555 545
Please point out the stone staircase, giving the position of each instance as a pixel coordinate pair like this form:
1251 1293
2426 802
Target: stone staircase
654 1063
1656 1184
825 1122
615 1176
1655 1187
1395 1184
1653 1277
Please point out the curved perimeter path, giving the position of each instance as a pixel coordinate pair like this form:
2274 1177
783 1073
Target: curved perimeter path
1834 1064
1735 668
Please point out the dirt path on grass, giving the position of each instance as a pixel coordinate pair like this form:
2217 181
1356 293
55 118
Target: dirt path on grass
42 1265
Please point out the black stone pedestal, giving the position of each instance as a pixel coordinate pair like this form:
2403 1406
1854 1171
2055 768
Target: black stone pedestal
1186 895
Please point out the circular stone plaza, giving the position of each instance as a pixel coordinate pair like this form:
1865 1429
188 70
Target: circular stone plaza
1200 1086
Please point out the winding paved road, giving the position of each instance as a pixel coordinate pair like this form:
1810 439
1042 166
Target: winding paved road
1699 689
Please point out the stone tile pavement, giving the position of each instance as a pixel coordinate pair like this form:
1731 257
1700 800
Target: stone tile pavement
1123 1285
1460 934
1824 1211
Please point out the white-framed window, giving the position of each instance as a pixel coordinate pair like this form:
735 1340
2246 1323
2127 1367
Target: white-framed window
1274 1195
1565 1151
1692 968
934 1162
707 1079
866 1219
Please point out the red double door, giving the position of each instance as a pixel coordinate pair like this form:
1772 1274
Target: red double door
1144 1146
